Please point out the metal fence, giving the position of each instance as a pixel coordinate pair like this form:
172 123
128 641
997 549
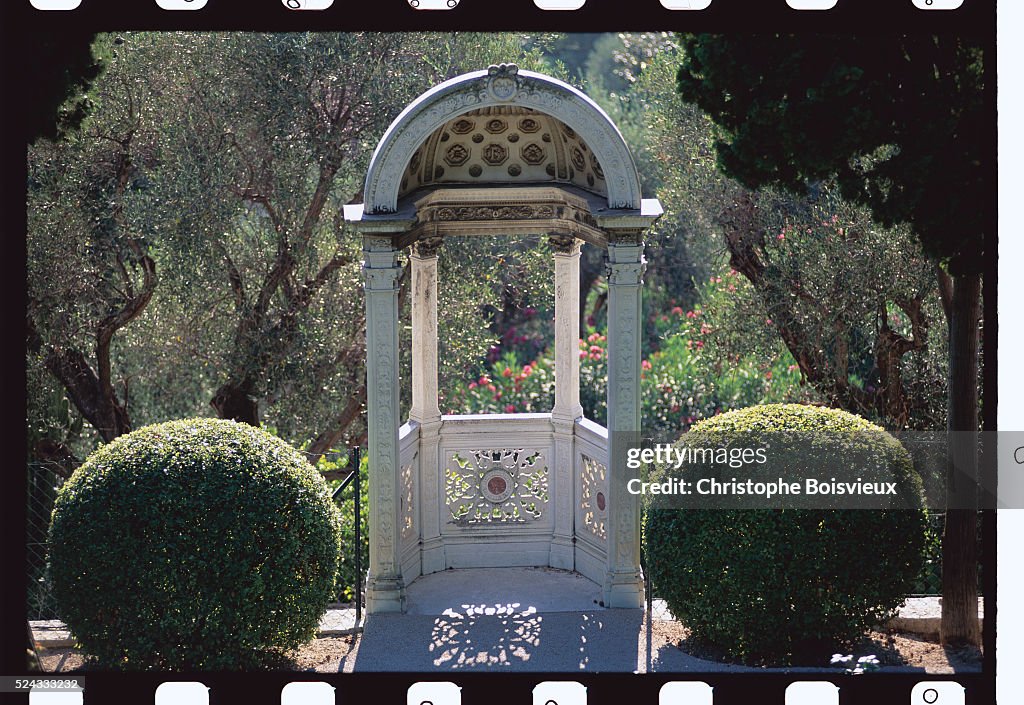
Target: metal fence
356 553
43 484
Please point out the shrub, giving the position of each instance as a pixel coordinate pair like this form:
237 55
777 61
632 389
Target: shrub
790 584
195 544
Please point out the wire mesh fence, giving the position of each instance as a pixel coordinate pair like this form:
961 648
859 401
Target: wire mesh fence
929 582
43 484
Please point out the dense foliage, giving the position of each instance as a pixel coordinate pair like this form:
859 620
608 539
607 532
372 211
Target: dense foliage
198 544
683 380
787 585
898 127
903 131
187 253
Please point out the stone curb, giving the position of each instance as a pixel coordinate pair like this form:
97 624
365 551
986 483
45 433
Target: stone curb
923 616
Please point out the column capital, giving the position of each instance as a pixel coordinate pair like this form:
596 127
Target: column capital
381 267
427 247
382 278
378 244
624 236
630 273
563 244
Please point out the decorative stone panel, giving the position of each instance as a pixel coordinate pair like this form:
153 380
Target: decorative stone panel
594 496
496 486
495 154
407 524
456 155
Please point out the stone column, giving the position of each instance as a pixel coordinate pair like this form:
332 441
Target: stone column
624 582
425 410
385 590
567 328
567 408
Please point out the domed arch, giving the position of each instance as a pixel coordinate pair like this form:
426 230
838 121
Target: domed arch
500 86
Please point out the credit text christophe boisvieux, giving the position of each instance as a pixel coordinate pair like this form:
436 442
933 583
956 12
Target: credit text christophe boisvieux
664 454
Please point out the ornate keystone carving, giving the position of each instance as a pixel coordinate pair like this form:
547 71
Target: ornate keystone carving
495 212
503 81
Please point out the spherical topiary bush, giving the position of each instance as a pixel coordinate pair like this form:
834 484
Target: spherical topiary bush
801 579
195 544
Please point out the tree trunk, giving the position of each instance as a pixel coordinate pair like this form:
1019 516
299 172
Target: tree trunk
337 427
959 542
236 403
95 399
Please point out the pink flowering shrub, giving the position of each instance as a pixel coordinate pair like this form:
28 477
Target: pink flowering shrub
690 376
507 388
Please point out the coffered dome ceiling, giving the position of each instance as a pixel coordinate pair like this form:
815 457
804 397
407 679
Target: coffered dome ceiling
504 144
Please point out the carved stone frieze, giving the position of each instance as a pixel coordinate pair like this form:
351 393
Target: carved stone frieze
625 237
520 212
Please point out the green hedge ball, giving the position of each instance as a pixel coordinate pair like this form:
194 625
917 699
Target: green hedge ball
784 586
194 545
